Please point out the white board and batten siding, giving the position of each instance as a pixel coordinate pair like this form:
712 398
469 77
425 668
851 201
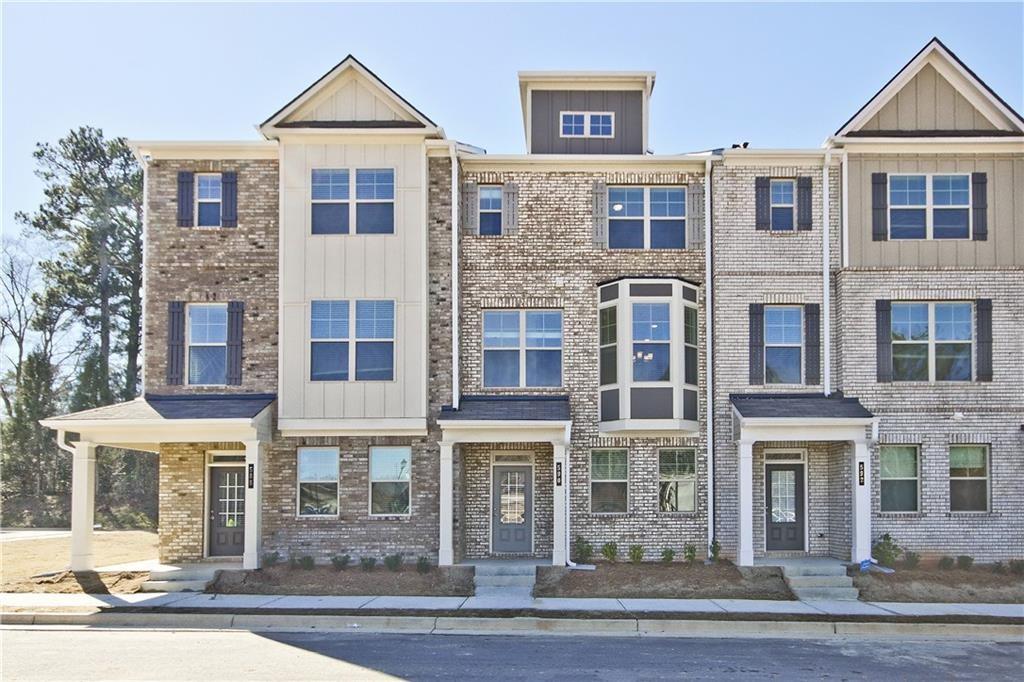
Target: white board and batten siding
353 267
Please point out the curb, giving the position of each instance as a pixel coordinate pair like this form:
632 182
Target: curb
521 625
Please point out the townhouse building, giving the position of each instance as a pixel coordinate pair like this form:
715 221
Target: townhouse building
363 337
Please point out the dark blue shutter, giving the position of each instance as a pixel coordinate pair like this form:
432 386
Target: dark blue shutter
756 343
186 185
979 206
236 314
883 341
983 326
175 342
803 203
879 207
229 199
762 203
812 344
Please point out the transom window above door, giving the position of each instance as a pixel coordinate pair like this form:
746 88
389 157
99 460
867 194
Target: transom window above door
522 348
599 124
646 217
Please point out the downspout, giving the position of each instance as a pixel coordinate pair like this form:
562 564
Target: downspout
826 290
455 275
62 444
709 371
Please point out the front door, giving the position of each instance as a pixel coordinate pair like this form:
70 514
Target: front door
227 511
784 507
512 510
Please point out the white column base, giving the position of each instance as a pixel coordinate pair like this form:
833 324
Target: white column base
83 505
253 513
745 549
861 509
445 547
560 542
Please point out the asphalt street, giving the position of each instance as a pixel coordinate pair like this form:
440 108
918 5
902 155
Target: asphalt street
119 654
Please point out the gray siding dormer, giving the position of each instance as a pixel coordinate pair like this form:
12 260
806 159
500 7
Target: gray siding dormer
545 121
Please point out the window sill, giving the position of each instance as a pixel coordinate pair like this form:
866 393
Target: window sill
670 514
975 514
609 515
900 515
317 517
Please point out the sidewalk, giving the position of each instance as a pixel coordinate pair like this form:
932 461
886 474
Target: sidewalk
681 607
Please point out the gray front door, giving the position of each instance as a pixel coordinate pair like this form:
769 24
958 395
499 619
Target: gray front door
227 511
784 506
512 510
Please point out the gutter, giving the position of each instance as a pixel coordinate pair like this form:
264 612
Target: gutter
708 360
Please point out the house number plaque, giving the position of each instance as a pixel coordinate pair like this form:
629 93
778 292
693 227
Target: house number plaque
860 473
252 476
558 473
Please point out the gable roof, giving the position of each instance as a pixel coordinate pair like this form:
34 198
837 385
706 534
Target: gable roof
1004 119
417 119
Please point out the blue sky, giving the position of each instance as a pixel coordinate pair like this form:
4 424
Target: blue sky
776 75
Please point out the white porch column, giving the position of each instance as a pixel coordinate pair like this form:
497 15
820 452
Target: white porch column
745 550
445 547
560 542
253 513
83 505
861 510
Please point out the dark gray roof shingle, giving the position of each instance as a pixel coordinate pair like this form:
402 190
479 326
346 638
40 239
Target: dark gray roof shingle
210 406
512 408
790 405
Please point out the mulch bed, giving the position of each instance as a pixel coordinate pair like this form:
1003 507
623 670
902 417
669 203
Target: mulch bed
448 581
87 582
978 585
720 580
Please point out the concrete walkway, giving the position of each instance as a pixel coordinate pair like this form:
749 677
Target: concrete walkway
30 600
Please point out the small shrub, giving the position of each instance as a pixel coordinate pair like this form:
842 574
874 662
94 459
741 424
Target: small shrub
886 551
270 560
964 562
999 568
610 551
911 559
341 562
293 561
636 553
946 563
690 552
668 555
716 549
306 563
583 550
367 563
1017 566
393 562
423 565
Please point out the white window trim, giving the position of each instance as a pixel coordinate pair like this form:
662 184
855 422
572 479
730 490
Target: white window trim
299 482
929 207
591 481
773 205
671 343
586 124
188 341
648 219
692 477
195 208
932 342
351 211
800 345
353 202
370 481
481 211
522 348
352 340
601 346
916 477
987 478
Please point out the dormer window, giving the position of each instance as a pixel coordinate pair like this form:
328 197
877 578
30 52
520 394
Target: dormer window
599 124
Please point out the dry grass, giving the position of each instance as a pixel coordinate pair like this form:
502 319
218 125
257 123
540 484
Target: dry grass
656 581
454 581
978 585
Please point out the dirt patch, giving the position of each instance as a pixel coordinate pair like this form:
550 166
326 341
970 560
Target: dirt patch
677 580
979 585
87 582
447 581
23 559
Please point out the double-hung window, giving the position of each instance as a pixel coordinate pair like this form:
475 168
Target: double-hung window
373 350
609 481
329 333
599 124
317 473
375 340
932 341
390 480
609 345
899 478
522 348
930 206
207 343
783 344
968 478
208 199
490 210
783 207
652 342
677 480
646 217
330 201
375 201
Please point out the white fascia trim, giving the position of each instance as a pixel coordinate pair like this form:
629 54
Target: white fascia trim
595 162
936 145
147 150
409 426
650 427
512 430
148 434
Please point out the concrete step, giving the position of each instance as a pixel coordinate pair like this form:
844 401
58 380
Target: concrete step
506 569
813 569
504 580
200 571
173 586
796 581
837 593
507 592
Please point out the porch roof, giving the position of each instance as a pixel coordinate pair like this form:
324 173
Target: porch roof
509 408
798 406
